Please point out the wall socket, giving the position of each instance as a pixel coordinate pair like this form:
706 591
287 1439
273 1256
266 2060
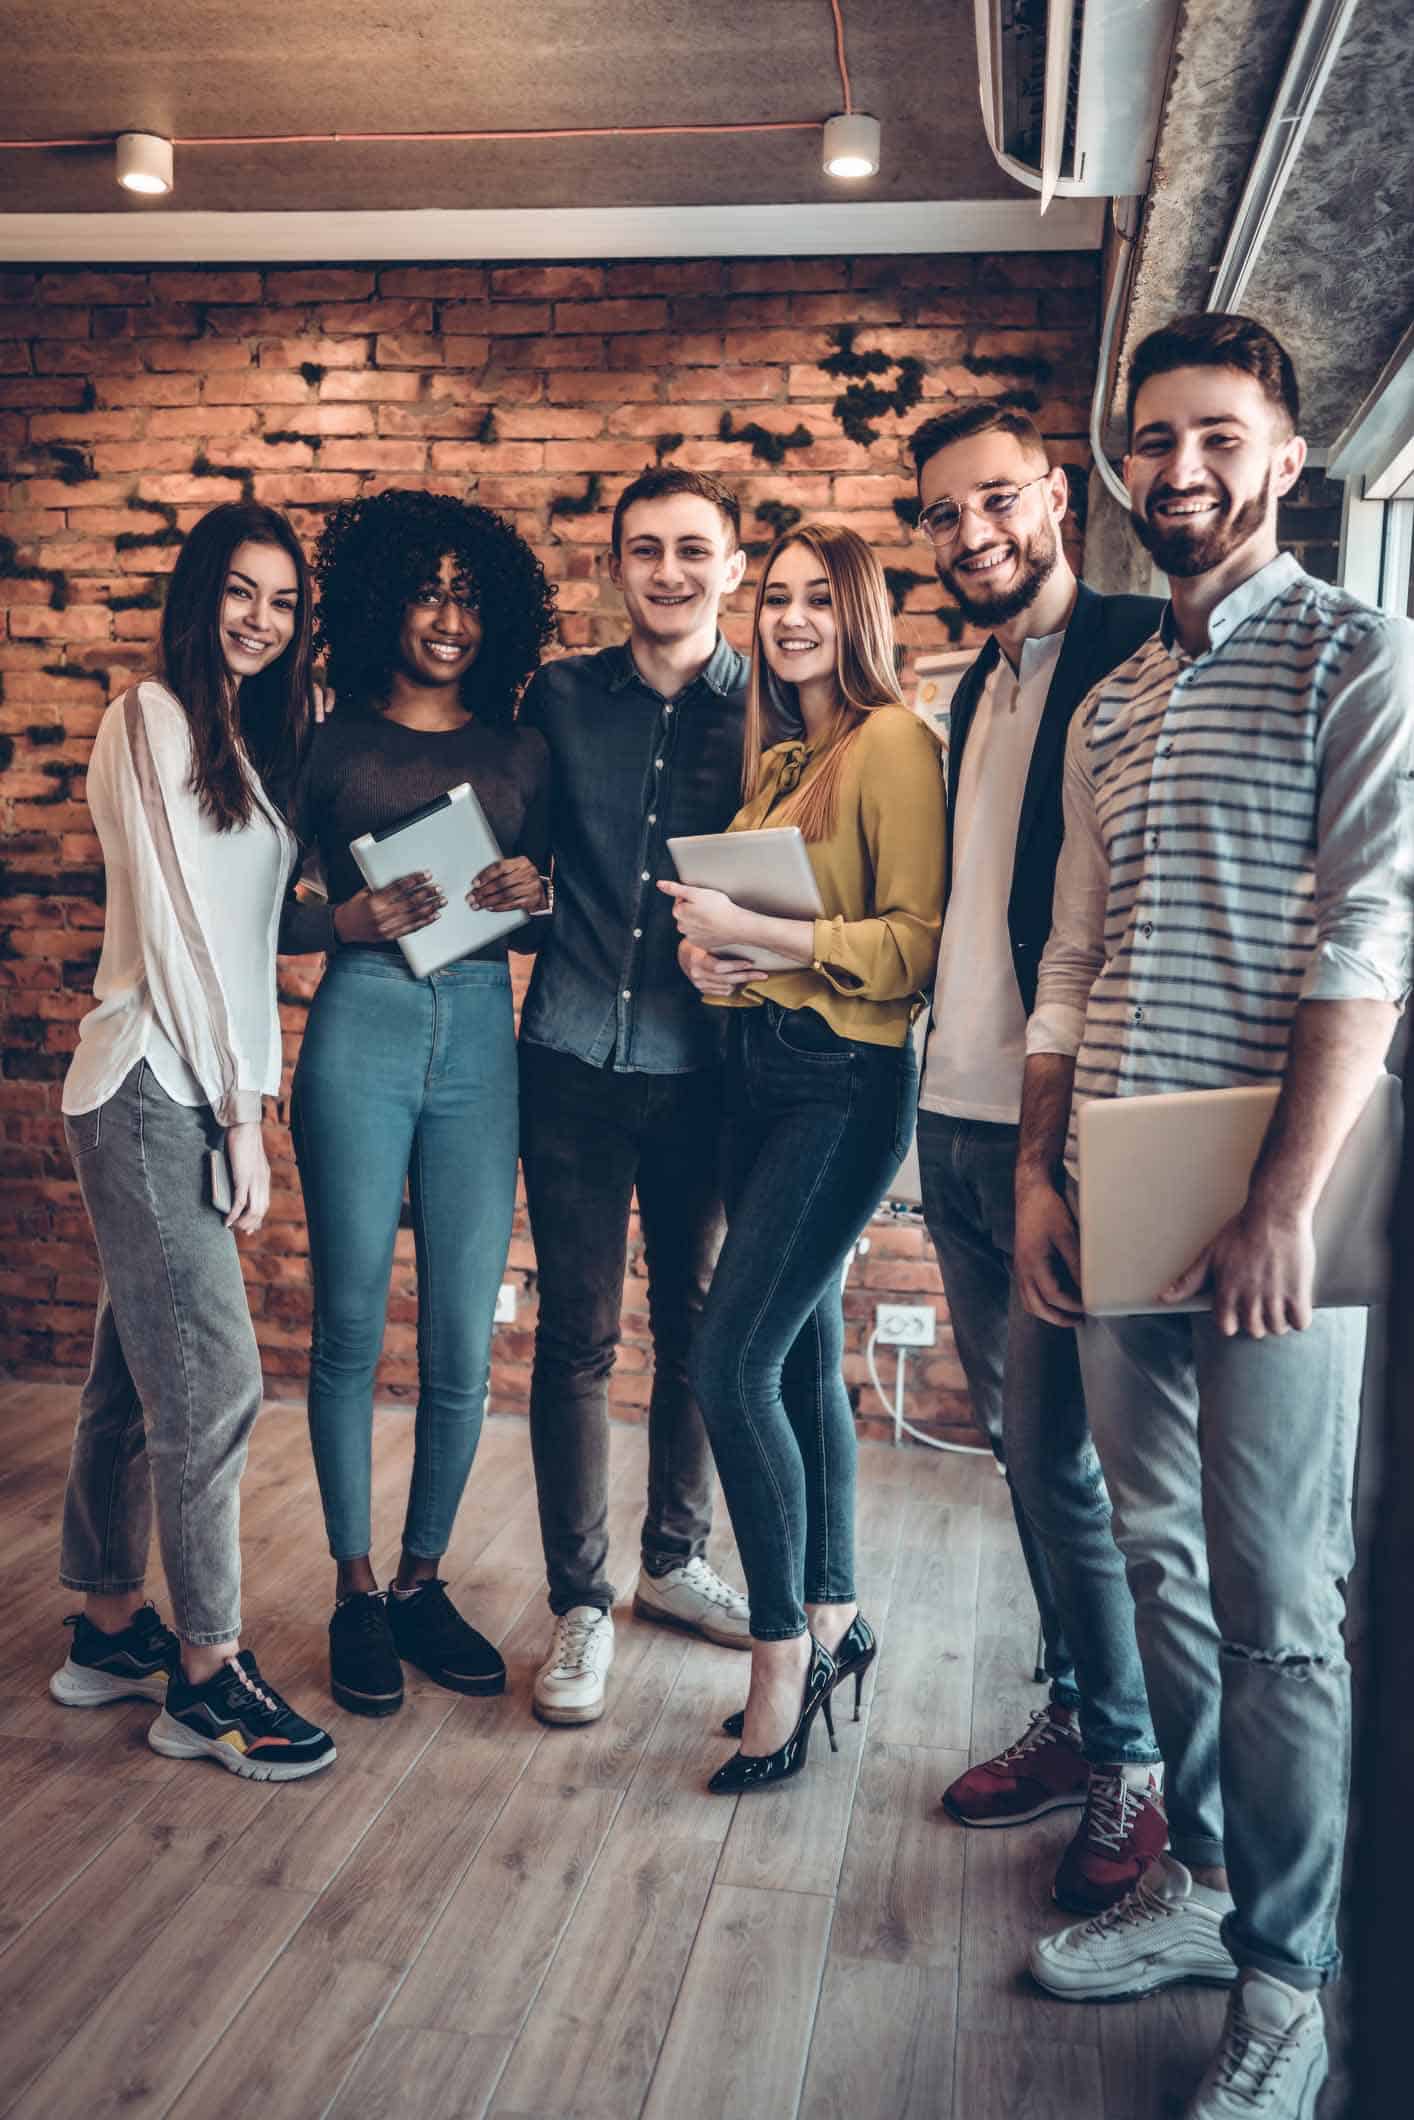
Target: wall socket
506 1303
905 1324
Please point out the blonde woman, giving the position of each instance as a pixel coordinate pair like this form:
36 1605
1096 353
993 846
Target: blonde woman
820 1097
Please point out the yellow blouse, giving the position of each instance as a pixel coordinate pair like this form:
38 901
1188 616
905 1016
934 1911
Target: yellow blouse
880 874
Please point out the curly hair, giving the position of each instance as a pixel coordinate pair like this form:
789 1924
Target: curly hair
375 554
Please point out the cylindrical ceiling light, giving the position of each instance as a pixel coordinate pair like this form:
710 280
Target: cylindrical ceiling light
851 145
144 163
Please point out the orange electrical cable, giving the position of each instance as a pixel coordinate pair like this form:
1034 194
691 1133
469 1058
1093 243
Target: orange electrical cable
840 60
561 132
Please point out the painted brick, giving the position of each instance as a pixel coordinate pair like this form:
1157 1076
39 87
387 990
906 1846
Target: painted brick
679 276
93 287
368 384
770 275
204 354
511 319
633 315
447 283
322 352
343 319
488 456
260 386
203 286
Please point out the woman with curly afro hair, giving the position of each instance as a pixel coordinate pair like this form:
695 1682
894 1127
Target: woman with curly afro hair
433 615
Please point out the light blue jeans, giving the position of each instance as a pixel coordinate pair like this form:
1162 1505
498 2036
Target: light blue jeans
404 1080
1230 1465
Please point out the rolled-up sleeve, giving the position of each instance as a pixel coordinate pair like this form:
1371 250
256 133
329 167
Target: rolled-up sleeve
1074 956
1364 883
904 821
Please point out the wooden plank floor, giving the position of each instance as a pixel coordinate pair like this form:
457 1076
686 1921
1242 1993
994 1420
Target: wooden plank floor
473 1915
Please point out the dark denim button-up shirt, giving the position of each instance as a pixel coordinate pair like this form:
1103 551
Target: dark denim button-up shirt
628 770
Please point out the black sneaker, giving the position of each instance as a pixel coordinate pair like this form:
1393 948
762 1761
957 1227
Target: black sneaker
237 1718
364 1673
133 1665
431 1633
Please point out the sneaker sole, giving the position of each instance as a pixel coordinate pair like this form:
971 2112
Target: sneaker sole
73 1686
1190 1976
1017 1818
566 1718
366 1703
702 1628
173 1742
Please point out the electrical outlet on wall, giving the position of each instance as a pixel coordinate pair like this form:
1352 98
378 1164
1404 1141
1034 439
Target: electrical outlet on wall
506 1303
905 1324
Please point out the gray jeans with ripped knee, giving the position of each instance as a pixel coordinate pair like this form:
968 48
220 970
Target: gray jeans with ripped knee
174 1384
1230 1466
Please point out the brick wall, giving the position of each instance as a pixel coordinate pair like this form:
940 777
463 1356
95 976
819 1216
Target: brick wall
132 401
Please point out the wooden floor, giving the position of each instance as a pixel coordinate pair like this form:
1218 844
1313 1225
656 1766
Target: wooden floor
470 1914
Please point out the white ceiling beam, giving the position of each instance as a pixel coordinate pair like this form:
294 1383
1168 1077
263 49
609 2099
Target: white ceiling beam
159 235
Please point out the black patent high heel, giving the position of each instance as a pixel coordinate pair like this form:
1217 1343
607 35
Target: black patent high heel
758 1771
858 1646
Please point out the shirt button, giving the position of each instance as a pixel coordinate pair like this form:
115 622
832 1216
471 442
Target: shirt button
1153 839
667 710
1147 929
652 816
647 877
628 993
657 765
638 934
1138 1013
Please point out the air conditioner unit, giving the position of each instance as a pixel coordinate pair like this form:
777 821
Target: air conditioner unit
1072 91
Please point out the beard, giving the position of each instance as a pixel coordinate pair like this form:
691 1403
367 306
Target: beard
1183 550
1036 563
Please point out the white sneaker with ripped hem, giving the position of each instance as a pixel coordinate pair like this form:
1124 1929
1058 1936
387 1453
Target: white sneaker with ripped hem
1272 2060
695 1597
569 1686
1160 1933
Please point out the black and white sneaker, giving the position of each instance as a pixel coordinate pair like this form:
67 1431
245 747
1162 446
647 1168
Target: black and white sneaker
133 1665
365 1675
431 1634
238 1719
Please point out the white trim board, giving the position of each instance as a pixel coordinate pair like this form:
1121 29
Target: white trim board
158 235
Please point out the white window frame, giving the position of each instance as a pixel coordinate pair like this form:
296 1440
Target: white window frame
1375 458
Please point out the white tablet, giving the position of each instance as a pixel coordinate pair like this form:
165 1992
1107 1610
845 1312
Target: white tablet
1160 1175
766 872
451 840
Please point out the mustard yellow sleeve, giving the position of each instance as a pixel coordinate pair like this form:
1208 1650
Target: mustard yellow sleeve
902 820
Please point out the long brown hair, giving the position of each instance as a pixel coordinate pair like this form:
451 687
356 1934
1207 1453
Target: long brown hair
268 717
865 673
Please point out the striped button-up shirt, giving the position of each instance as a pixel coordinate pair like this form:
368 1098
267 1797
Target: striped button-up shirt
1239 838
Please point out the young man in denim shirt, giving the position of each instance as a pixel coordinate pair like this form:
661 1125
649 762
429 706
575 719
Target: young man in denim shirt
620 1075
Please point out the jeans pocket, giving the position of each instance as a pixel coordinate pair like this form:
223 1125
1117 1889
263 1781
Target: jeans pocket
82 1130
807 1036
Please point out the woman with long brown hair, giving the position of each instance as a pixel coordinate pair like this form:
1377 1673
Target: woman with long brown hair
162 1108
820 1096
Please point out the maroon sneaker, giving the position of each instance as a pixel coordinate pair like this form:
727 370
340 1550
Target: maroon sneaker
1121 1833
1043 1771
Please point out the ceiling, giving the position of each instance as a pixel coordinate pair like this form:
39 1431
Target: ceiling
1334 277
187 68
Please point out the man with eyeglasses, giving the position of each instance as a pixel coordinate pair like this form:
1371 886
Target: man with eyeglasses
992 507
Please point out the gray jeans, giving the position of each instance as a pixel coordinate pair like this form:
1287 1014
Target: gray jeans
1024 1378
1230 1464
174 1384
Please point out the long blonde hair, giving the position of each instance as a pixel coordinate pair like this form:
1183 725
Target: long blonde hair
865 676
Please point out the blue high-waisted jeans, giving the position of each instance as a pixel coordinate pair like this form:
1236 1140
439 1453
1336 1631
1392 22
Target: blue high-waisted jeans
404 1079
816 1126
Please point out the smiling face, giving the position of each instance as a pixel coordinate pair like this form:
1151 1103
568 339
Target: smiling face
441 630
259 607
677 559
799 635
996 563
1211 456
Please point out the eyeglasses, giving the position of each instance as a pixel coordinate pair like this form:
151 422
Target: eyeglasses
941 523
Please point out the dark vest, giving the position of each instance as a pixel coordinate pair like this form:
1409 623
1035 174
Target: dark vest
1103 632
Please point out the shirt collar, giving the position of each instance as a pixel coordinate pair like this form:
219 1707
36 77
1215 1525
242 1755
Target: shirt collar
724 672
1249 597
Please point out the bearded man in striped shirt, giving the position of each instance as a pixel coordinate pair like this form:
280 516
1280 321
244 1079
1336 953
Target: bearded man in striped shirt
1233 906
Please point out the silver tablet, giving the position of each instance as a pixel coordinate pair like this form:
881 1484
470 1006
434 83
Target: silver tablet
765 872
452 841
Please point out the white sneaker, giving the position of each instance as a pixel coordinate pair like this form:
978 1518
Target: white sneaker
695 1597
1156 1935
1272 2059
569 1686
